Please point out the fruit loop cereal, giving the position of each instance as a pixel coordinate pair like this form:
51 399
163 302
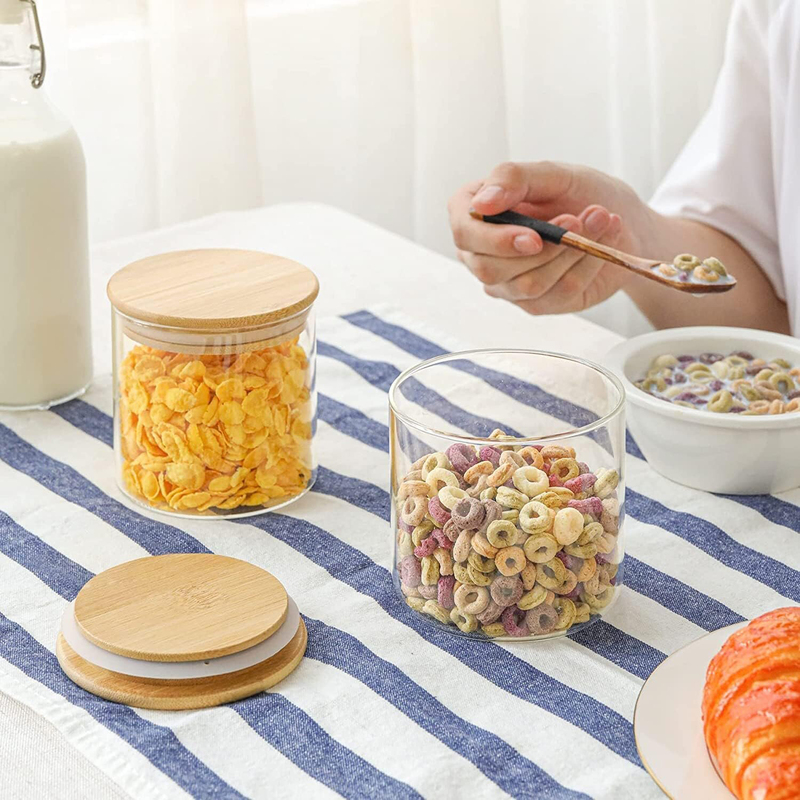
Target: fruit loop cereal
689 269
213 433
738 383
508 541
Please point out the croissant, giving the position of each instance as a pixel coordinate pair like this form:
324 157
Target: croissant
751 708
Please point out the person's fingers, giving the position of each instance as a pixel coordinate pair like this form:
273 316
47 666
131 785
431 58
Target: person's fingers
482 237
596 220
510 184
569 293
537 282
490 269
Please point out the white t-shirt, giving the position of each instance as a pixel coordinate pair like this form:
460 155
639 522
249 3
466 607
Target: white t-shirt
740 170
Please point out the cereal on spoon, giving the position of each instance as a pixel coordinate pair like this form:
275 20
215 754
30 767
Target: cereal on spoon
690 269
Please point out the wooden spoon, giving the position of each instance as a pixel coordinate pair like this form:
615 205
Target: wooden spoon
641 266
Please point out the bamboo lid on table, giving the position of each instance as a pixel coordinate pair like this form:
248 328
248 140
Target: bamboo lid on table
182 607
185 609
213 289
178 695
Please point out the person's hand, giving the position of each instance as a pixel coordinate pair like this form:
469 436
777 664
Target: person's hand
515 264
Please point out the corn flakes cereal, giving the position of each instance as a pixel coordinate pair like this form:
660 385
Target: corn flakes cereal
215 432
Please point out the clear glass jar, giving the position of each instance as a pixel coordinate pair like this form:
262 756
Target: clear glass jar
508 492
214 419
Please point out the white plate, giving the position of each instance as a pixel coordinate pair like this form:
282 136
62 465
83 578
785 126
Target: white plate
668 727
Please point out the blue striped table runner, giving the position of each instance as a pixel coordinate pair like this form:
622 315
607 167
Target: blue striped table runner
382 706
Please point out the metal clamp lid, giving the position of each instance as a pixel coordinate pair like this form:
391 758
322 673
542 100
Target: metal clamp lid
37 79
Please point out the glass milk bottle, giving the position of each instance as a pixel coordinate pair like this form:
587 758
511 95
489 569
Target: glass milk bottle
45 337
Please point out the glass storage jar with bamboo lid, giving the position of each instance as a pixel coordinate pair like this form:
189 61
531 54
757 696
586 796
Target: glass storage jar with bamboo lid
214 381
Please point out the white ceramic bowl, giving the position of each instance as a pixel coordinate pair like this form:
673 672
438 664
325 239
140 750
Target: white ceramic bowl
724 453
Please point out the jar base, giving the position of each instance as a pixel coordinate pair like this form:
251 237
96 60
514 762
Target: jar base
478 636
219 514
47 404
481 637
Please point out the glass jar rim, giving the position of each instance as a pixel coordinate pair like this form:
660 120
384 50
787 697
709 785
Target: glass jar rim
600 422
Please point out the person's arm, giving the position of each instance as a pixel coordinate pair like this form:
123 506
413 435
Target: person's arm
514 264
717 200
719 196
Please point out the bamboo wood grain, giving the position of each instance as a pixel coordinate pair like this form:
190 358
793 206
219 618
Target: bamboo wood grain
182 694
213 289
180 607
641 266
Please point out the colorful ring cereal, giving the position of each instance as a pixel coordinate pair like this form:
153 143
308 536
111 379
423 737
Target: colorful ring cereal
568 524
686 261
464 622
541 619
450 496
512 457
490 454
414 510
490 614
445 590
441 477
506 591
552 574
430 571
445 561
737 383
540 548
436 611
565 469
565 609
411 488
493 511
531 481
535 517
483 546
462 546
472 599
468 513
461 457
532 456
515 622
526 557
434 461
429 592
536 596
510 561
502 533
528 576
511 498
481 563
481 469
478 578
502 474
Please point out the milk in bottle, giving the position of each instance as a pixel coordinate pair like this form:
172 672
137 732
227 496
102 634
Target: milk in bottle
45 338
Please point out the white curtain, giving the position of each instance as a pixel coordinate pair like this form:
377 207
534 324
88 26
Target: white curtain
381 107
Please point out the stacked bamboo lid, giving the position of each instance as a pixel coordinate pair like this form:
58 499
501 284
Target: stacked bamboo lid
181 631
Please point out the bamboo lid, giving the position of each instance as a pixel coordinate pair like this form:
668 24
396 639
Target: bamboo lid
213 289
180 607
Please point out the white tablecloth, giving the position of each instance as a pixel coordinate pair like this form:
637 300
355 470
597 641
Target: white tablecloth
557 714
